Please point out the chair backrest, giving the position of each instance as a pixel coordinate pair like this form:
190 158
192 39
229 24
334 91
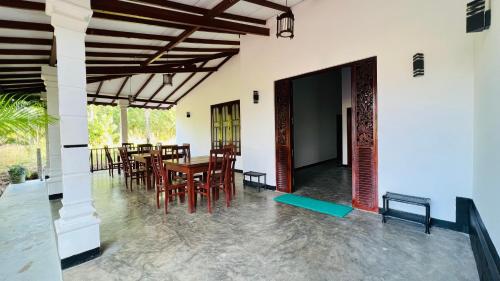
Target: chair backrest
157 163
126 162
147 147
231 158
128 145
185 150
108 155
217 164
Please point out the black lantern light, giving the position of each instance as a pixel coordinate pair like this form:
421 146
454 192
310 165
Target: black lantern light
168 79
131 99
284 25
255 97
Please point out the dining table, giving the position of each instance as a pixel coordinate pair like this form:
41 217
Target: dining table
145 159
189 166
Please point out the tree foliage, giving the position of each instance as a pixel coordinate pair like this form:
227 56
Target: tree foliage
104 125
22 119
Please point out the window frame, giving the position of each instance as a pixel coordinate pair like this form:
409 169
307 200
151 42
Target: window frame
221 106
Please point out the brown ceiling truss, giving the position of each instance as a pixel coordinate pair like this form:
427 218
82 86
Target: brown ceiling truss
119 60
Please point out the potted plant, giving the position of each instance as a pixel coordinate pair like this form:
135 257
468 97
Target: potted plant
17 174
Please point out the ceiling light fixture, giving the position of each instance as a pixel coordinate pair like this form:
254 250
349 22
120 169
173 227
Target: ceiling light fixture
285 24
168 77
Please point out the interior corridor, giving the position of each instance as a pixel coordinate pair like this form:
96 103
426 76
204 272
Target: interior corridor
327 181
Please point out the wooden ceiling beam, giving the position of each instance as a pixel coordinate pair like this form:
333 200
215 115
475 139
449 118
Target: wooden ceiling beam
182 84
141 55
33 26
146 36
145 69
21 69
121 88
26 41
25 90
209 14
23 86
131 10
113 98
98 89
269 4
201 11
94 79
117 17
21 81
23 75
144 85
25 5
133 105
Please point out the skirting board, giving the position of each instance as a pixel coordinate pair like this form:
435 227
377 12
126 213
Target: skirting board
56 196
468 220
316 164
80 258
487 260
254 184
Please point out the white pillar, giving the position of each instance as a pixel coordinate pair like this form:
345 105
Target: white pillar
54 182
123 104
78 227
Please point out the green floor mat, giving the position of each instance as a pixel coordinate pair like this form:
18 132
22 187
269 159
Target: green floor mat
319 206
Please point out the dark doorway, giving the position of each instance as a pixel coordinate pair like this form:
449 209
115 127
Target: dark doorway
359 147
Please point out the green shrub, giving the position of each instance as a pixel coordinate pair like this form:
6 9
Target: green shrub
17 174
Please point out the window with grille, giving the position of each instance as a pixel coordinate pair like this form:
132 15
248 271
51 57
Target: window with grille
225 125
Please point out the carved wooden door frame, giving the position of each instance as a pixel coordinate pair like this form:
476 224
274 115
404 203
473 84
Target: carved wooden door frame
366 130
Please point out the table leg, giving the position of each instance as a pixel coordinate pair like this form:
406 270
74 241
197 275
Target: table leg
191 194
148 173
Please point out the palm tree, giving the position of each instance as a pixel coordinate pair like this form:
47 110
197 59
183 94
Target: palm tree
21 116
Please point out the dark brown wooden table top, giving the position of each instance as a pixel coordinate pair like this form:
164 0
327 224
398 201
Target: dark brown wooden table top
190 162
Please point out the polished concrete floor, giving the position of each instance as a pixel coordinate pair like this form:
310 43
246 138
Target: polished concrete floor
259 239
328 181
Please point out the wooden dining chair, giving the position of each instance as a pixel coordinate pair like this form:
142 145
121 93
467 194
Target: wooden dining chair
171 188
128 145
215 179
129 171
231 168
144 148
111 163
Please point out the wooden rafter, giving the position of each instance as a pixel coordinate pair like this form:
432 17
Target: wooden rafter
131 10
21 81
21 69
98 89
182 84
201 11
203 79
21 75
95 79
132 105
145 69
121 88
144 85
113 98
21 25
209 14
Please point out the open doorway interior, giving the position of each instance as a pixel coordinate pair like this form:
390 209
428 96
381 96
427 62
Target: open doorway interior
322 135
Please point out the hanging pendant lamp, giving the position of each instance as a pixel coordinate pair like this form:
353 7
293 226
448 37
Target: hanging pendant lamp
168 77
285 24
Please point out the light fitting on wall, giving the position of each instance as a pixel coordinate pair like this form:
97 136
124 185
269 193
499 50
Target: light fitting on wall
168 79
188 114
255 97
478 15
285 24
418 65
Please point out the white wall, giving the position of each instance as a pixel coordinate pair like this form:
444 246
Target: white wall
346 103
487 125
425 125
317 101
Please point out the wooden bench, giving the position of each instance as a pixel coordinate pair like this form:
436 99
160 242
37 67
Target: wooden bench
408 199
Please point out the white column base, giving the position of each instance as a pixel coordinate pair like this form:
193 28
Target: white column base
54 186
77 229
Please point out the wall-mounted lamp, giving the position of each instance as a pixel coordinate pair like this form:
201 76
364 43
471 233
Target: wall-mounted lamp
418 65
255 97
188 114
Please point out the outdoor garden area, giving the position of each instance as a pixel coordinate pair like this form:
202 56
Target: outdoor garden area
23 123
